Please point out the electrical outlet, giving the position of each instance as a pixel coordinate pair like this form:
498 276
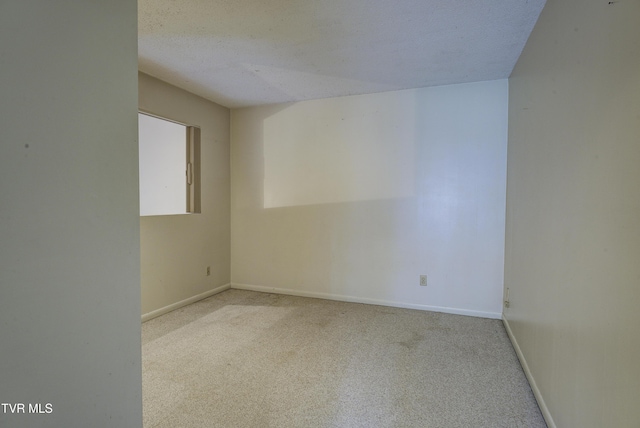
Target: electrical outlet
423 280
208 270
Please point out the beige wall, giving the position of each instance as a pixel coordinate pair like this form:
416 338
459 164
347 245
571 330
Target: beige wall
353 198
176 249
69 225
573 211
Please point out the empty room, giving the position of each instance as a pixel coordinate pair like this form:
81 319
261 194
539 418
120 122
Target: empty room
390 214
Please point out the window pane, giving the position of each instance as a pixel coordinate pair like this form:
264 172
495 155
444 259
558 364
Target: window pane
162 154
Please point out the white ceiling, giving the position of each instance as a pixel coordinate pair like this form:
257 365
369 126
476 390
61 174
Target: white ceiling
248 52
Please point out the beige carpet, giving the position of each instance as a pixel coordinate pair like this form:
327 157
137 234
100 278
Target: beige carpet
247 359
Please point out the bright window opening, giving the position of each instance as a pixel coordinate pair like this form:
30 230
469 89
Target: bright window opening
169 154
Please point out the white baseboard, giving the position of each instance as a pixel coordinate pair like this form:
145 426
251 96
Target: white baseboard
534 387
185 302
353 299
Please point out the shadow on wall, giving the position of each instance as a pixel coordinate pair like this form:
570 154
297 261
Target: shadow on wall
359 196
332 151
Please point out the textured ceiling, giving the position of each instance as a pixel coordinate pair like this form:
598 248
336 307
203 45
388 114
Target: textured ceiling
249 52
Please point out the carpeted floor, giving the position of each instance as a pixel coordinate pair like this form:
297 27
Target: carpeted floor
248 359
